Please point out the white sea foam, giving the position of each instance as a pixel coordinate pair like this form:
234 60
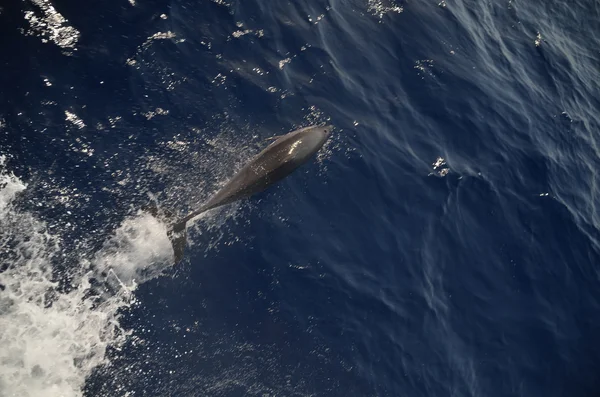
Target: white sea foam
52 339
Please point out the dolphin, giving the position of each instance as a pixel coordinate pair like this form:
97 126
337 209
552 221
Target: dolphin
284 155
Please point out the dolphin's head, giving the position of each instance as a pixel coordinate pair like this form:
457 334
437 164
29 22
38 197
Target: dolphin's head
308 141
326 131
317 136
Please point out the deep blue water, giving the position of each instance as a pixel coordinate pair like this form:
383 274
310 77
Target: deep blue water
372 271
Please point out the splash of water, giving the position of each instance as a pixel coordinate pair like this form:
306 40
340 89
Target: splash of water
51 340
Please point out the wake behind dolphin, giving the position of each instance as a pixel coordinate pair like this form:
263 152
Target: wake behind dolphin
275 162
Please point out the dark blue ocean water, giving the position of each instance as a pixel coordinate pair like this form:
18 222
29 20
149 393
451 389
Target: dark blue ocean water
445 242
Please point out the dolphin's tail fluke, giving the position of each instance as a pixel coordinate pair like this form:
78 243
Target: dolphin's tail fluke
177 233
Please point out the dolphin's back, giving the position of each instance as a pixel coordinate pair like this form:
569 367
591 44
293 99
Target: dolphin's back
268 167
272 164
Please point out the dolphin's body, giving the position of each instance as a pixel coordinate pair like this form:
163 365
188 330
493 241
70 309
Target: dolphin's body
274 163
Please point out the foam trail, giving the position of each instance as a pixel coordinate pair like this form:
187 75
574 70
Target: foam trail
50 341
